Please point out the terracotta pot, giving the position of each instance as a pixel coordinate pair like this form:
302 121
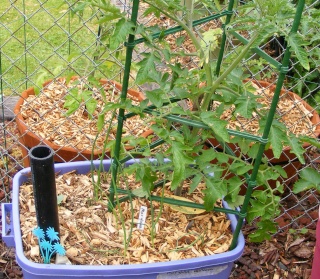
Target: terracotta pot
315 119
29 139
287 160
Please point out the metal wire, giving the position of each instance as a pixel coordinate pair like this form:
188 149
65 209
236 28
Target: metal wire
76 49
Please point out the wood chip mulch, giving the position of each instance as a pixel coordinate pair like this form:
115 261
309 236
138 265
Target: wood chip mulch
45 116
290 110
289 255
92 235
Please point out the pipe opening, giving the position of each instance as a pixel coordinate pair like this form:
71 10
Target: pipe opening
40 152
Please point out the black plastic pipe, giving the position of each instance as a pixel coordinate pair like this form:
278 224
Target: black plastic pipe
44 187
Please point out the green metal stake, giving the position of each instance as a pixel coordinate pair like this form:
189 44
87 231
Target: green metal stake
252 181
126 76
224 36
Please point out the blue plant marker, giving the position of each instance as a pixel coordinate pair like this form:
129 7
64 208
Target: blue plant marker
48 248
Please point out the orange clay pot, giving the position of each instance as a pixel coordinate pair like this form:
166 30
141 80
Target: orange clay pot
29 139
287 160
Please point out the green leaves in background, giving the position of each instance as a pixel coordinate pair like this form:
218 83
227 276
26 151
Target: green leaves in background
309 179
277 136
296 42
76 97
147 69
246 104
122 29
264 231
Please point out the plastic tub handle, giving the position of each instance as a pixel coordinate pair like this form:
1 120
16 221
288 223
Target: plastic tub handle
7 225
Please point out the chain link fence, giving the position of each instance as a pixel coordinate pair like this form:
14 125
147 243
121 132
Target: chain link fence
44 40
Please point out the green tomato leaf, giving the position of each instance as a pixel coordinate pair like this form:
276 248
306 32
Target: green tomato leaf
257 209
140 192
260 195
240 168
156 97
236 203
267 173
277 136
312 141
295 41
234 185
246 104
215 190
264 231
244 144
147 71
206 156
225 96
109 11
279 187
122 30
309 179
100 122
195 182
180 40
280 170
210 42
179 168
296 147
90 102
222 157
253 150
217 125
147 178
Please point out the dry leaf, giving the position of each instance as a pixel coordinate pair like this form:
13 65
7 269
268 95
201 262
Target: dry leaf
184 209
303 252
298 241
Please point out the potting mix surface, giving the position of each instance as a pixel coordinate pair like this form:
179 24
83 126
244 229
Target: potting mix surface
93 236
46 116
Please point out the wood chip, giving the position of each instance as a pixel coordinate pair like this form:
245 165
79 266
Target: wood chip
91 235
290 109
45 116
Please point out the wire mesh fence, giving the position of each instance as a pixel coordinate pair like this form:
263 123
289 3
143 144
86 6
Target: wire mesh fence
44 40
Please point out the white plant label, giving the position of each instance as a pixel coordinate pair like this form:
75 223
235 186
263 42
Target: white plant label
142 218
